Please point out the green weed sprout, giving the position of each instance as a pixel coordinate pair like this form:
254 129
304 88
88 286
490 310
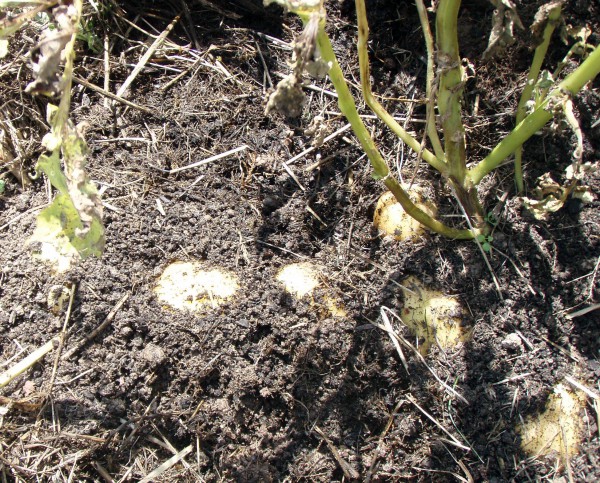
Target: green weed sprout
444 90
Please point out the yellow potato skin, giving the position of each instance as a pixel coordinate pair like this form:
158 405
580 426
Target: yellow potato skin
391 219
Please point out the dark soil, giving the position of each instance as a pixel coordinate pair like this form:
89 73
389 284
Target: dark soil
266 388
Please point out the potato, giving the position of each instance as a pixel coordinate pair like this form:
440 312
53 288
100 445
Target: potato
433 317
302 279
194 287
391 219
558 429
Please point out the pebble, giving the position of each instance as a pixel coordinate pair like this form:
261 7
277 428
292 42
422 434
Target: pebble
153 354
512 342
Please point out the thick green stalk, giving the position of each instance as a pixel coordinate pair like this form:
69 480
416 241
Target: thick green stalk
378 109
431 89
449 106
451 86
536 120
532 77
348 108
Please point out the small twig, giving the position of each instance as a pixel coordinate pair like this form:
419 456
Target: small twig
513 378
146 57
103 473
583 311
176 79
264 64
21 366
531 289
289 171
61 340
207 160
377 452
190 21
106 68
453 441
349 471
312 148
448 388
592 394
383 269
317 217
100 328
485 258
22 215
110 95
390 331
154 474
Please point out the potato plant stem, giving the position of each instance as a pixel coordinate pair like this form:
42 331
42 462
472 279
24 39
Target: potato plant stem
62 115
451 86
431 88
532 77
378 109
450 91
536 120
380 167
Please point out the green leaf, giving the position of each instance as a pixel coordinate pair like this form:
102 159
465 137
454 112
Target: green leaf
50 165
546 80
59 233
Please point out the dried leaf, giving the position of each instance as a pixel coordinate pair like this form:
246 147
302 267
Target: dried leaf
583 193
542 17
288 97
576 32
317 129
83 193
549 198
580 172
49 51
504 20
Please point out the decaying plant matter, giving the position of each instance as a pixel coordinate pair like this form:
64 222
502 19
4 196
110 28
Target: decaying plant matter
70 228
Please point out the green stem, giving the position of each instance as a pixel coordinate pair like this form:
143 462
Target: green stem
430 87
449 106
536 120
534 72
380 167
451 86
378 109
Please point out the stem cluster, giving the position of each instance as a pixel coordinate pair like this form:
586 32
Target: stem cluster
445 130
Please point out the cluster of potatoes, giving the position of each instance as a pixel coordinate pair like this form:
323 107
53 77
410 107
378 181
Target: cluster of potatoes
433 317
